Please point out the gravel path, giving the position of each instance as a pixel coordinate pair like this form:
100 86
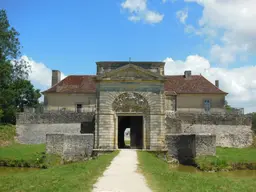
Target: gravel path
122 175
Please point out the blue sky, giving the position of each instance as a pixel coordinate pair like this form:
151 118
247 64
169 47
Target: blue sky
188 34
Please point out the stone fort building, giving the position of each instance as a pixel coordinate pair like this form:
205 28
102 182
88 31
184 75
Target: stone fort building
135 95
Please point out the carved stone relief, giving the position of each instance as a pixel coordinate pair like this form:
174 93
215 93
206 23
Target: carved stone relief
130 74
130 102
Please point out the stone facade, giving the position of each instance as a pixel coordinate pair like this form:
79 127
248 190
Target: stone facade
70 147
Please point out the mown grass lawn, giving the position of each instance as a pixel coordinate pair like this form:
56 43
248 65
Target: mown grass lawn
161 178
19 155
21 151
229 159
64 178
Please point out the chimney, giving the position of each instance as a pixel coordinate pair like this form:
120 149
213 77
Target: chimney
55 77
217 83
187 74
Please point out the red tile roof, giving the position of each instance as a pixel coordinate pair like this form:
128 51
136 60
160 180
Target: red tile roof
193 84
75 84
174 85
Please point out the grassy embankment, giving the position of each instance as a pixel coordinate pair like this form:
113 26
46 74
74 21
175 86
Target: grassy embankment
18 155
228 159
161 178
71 177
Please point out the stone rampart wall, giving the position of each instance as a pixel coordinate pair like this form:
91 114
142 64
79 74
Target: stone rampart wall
70 147
230 130
32 127
214 119
54 117
185 146
237 136
173 125
36 133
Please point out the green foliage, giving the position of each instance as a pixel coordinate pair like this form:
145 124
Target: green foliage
71 177
254 142
7 134
161 177
228 159
9 42
254 122
16 91
1 113
227 106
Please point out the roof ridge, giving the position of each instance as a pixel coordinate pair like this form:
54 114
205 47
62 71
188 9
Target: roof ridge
213 84
56 84
175 83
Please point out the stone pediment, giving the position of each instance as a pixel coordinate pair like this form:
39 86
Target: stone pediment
130 72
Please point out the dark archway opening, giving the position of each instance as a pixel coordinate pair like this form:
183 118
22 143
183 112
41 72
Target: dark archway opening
135 123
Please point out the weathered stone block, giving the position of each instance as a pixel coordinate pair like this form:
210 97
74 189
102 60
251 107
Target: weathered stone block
54 144
70 147
173 125
77 147
185 147
181 147
205 144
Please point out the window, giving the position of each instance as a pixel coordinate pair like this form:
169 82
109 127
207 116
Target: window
79 108
207 105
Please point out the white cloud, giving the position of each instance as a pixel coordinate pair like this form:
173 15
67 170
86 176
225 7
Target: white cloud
232 25
134 18
135 5
182 15
140 12
41 75
240 83
153 17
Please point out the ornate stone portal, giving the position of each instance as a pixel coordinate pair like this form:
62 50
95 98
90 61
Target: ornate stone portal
131 111
131 94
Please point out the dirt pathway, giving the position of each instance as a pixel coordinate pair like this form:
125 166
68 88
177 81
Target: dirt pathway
122 175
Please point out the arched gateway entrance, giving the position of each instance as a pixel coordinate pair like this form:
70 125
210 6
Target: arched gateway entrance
131 111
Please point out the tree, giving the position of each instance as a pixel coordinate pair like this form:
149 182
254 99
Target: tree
227 106
254 122
9 42
16 91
